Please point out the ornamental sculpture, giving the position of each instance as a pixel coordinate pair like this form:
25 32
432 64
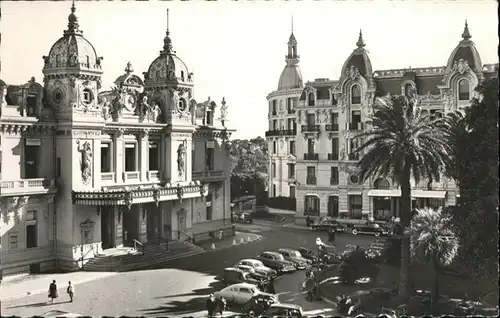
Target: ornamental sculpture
223 111
128 199
180 192
202 190
149 112
85 160
181 152
156 196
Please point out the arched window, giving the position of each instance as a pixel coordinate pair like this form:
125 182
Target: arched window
182 104
311 205
463 90
408 89
381 183
311 99
356 95
182 75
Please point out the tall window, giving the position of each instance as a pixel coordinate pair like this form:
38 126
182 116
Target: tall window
106 157
335 121
31 229
311 119
31 105
310 145
334 176
130 157
463 90
290 124
355 206
274 107
335 149
209 158
273 170
311 205
311 99
311 175
154 157
355 119
31 158
209 206
292 147
333 206
275 124
355 143
275 150
291 171
292 191
356 95
289 105
209 118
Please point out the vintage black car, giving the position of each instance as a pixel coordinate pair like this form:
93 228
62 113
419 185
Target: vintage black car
276 261
243 217
370 229
307 253
325 225
283 310
235 275
295 257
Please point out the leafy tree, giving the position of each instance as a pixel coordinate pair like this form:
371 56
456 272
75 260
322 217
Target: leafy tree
402 143
433 241
474 167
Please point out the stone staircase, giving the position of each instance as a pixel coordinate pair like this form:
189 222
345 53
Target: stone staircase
127 259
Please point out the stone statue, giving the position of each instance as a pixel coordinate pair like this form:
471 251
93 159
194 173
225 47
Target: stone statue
154 112
223 111
106 108
181 152
73 60
85 160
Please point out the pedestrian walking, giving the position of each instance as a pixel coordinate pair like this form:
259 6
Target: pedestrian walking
270 286
71 291
308 221
332 234
211 305
53 291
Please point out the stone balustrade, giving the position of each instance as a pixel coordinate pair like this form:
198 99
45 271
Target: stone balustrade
27 186
208 175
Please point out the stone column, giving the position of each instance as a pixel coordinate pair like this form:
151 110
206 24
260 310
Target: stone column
118 155
144 155
142 223
118 224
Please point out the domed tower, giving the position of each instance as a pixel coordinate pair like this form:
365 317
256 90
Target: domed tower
72 73
464 71
169 83
282 125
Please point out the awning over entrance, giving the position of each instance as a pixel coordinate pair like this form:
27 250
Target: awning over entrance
126 195
432 194
384 193
396 193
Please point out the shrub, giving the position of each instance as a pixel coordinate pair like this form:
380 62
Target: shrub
284 203
392 251
356 264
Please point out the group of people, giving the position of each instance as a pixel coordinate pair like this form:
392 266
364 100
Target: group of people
70 290
216 306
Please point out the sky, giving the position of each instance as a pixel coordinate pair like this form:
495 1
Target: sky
236 50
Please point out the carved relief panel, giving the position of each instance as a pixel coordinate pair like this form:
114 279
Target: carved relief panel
86 161
87 232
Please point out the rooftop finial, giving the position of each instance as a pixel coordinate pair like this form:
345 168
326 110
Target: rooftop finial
292 23
168 29
129 69
466 34
72 20
167 42
360 44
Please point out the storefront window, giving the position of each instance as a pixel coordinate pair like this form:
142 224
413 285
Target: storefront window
355 206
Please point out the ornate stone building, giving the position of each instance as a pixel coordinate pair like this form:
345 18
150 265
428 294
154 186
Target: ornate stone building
283 127
330 113
85 169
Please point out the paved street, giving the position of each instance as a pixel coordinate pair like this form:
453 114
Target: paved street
181 286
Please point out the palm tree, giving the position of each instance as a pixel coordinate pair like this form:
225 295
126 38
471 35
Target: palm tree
402 143
433 241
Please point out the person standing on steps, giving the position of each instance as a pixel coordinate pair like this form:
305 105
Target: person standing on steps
53 291
71 291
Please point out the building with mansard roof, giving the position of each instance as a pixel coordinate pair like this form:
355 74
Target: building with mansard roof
313 160
85 169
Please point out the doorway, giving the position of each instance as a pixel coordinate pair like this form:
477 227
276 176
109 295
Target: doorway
107 228
333 206
153 220
130 225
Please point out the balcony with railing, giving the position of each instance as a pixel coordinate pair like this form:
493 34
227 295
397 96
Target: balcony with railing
208 175
311 180
332 128
281 132
311 156
310 128
356 126
333 156
27 187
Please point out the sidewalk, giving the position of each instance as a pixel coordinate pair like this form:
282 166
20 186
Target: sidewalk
36 284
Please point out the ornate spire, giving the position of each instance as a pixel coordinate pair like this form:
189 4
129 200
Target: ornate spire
167 42
292 23
72 21
360 44
129 69
466 34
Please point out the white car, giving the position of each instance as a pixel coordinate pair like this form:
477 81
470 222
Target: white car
258 267
242 293
59 313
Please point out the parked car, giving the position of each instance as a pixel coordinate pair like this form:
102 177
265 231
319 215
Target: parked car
241 293
276 261
235 275
324 225
283 310
258 266
256 306
369 228
295 257
243 217
308 254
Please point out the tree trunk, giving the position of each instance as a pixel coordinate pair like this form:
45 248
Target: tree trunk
435 289
405 281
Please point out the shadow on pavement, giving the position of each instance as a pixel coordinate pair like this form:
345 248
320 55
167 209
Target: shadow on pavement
40 304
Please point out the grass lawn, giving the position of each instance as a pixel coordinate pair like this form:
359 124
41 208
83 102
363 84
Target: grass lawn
452 286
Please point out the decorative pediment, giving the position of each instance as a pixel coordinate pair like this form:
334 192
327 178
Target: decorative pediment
291 157
461 66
